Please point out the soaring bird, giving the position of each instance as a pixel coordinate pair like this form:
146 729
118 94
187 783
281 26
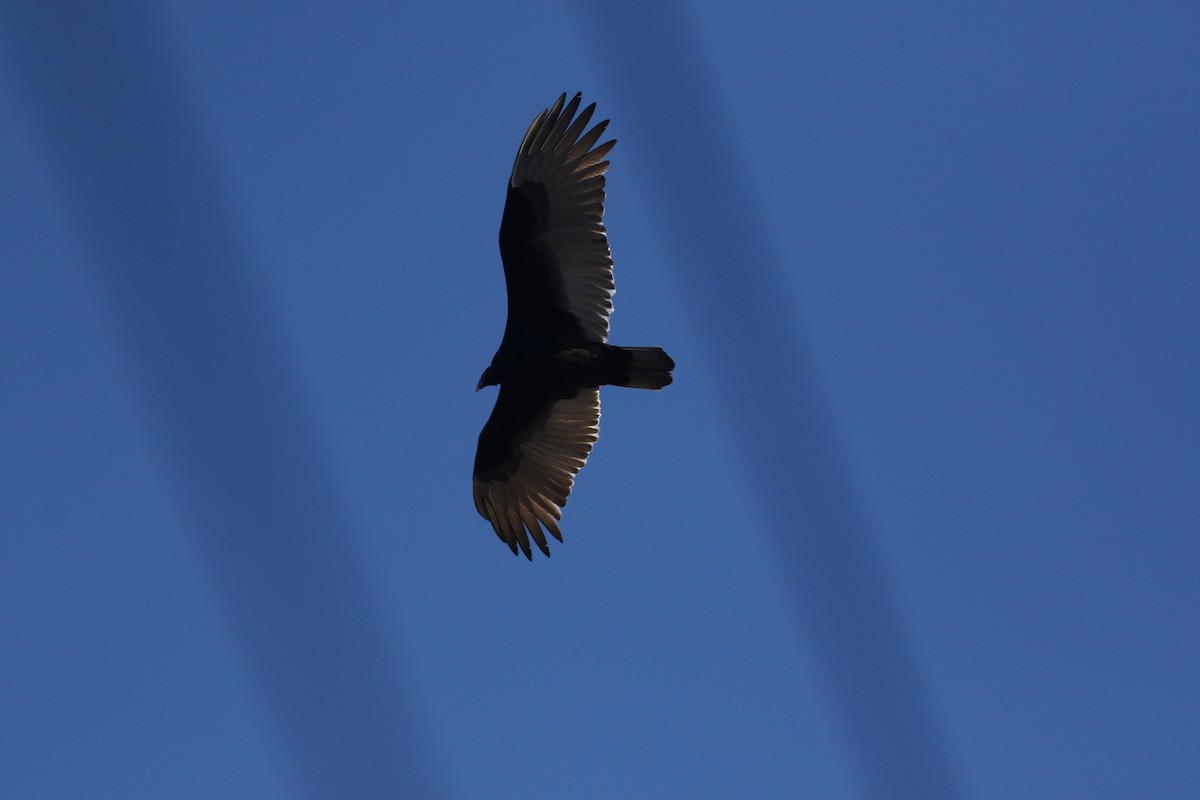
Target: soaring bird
553 358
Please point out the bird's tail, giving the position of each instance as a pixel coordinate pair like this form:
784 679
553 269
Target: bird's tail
646 368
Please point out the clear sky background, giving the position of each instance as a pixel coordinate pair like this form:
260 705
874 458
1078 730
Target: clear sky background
918 516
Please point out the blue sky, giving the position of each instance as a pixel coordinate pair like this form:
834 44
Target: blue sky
918 516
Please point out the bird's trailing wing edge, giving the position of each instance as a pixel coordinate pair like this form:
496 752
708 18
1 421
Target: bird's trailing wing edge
530 451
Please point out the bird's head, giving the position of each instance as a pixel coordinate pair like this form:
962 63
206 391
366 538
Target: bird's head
486 379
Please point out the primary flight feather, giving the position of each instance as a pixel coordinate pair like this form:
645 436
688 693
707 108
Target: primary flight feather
554 356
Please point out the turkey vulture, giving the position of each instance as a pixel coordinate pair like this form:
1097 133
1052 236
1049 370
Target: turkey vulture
553 358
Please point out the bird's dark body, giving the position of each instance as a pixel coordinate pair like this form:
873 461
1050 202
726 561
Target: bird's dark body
554 355
543 371
571 363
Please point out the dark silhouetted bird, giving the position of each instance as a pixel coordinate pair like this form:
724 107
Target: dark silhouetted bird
553 358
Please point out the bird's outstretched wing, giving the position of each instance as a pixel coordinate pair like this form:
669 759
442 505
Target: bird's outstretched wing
557 263
530 451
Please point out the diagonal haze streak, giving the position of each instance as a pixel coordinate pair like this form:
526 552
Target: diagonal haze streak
163 242
727 271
